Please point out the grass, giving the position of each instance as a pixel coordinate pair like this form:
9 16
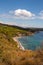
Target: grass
10 54
11 31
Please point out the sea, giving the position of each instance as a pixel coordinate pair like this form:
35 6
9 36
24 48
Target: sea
32 42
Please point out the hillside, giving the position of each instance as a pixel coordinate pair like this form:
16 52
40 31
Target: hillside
10 54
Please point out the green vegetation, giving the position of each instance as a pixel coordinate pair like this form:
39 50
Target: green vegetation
11 31
10 54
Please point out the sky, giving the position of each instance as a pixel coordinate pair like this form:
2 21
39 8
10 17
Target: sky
25 13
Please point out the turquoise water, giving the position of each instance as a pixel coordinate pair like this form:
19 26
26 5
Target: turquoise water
32 42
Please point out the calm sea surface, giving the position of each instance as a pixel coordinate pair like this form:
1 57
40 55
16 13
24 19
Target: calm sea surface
32 42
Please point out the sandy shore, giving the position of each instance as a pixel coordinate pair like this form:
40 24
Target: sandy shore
19 44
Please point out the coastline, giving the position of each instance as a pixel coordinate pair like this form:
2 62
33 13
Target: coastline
18 42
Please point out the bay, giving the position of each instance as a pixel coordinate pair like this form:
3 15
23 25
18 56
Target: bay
32 42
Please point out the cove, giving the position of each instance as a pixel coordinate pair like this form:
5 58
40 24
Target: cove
32 42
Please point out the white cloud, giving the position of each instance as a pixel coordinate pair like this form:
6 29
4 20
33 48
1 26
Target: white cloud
41 13
8 22
40 16
6 16
22 14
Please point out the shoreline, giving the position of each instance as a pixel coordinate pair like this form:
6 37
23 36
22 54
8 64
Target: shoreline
18 42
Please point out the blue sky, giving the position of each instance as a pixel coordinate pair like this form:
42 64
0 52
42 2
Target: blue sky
26 13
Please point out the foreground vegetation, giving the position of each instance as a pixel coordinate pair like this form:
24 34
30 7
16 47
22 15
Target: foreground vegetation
10 54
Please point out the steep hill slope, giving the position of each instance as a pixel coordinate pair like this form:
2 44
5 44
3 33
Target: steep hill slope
10 54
